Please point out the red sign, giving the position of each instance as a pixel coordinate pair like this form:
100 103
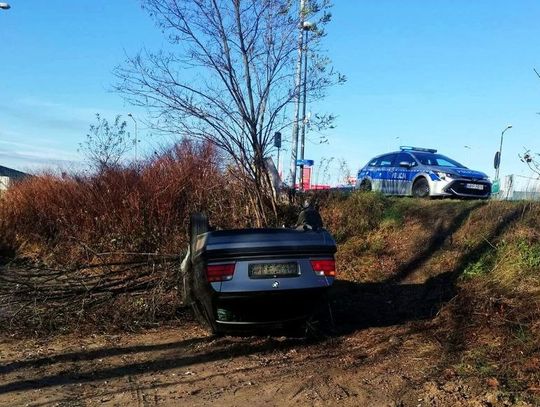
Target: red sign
306 178
319 187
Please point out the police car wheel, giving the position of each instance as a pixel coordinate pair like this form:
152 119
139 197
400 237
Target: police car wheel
365 186
421 188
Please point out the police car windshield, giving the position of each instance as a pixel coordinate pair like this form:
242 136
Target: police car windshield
437 160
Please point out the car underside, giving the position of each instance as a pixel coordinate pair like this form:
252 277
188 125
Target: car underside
258 277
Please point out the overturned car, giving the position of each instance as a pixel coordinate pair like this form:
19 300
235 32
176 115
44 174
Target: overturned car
235 279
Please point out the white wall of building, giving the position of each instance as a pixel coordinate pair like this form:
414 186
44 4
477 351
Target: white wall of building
4 183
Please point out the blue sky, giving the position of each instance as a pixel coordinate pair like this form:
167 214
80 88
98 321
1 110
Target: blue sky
442 74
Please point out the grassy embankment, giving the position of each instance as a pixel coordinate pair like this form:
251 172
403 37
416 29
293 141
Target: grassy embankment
473 268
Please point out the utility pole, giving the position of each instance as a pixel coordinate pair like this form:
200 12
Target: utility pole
297 83
306 27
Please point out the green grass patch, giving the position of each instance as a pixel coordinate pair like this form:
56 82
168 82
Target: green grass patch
476 362
481 266
528 254
355 216
393 216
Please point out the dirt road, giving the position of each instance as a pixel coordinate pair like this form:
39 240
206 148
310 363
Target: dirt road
390 363
379 366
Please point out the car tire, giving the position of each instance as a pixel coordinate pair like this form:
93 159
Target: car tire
198 224
365 186
201 310
420 188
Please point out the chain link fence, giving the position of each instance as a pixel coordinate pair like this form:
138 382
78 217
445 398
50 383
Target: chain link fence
517 187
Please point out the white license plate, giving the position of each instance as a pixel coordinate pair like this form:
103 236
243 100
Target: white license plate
474 186
273 270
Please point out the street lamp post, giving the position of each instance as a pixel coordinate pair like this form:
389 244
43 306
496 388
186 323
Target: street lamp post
5 6
500 152
136 136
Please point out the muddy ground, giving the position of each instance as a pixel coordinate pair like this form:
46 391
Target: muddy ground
383 351
388 366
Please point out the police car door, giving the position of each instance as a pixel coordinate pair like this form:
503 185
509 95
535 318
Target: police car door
402 174
385 169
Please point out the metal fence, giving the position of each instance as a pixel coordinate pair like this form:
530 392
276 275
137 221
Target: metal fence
519 187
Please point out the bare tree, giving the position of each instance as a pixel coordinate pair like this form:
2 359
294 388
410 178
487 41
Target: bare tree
344 172
532 160
106 144
324 166
229 78
528 157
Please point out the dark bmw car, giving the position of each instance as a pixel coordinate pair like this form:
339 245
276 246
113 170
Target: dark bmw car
422 172
256 277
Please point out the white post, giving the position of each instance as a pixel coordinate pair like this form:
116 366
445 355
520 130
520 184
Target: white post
297 83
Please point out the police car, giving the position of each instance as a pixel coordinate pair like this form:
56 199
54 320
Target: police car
422 172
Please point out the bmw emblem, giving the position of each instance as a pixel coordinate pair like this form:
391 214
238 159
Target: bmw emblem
275 284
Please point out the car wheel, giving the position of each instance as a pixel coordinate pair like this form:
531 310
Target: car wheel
420 188
198 225
365 186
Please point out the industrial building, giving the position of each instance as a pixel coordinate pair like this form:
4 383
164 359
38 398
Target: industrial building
8 176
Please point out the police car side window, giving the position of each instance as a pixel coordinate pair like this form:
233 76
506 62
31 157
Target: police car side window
404 157
386 160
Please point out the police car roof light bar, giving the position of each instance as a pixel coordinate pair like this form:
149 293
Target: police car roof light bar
429 150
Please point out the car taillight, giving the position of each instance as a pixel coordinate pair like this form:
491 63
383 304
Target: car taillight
219 272
324 267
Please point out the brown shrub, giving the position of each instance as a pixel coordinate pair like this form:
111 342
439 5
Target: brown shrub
109 241
69 219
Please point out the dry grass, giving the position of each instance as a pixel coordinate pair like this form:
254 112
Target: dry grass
490 253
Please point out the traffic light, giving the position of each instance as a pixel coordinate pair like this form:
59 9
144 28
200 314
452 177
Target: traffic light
277 140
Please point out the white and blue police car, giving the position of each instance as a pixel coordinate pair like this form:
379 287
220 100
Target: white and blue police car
422 172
